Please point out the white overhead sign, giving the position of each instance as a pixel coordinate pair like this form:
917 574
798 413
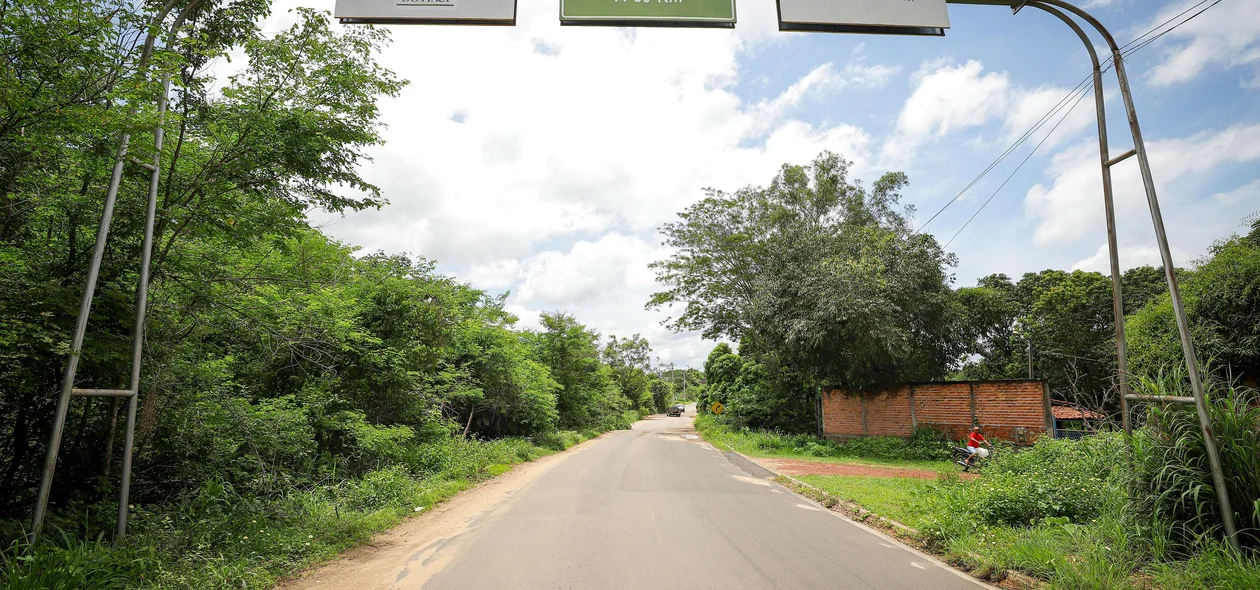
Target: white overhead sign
432 12
891 17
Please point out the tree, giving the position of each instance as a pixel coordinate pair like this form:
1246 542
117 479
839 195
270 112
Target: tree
1222 302
571 352
1068 318
630 360
1141 285
989 314
818 271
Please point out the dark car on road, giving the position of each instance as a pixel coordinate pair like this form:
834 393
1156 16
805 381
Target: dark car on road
676 410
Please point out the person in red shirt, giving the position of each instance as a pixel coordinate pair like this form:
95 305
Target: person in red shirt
974 443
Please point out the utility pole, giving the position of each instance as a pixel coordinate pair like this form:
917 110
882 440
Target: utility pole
1030 367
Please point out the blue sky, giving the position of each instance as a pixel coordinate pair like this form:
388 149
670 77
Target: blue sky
539 160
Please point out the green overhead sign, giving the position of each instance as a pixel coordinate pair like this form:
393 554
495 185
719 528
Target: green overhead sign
640 13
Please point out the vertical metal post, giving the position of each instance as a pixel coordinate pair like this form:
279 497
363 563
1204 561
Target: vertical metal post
1183 323
142 299
76 344
1030 365
85 306
1117 297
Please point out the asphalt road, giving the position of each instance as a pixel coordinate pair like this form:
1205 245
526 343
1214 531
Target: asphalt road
651 508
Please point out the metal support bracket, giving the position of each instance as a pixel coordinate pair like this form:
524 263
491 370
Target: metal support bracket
1059 8
76 392
1160 399
1121 158
68 390
145 165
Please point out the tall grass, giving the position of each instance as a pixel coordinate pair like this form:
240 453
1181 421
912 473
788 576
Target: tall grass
1172 475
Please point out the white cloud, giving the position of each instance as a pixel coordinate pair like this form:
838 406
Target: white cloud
540 159
608 281
947 98
1226 36
950 99
1070 207
1028 106
1130 256
1248 193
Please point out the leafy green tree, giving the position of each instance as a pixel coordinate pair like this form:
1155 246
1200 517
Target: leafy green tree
1222 301
1073 333
1069 320
989 313
817 270
570 351
721 369
630 360
662 394
1141 285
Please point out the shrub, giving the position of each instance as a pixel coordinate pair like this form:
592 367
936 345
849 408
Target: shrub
1055 478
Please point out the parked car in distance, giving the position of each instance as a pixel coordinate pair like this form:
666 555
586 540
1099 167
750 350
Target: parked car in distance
676 410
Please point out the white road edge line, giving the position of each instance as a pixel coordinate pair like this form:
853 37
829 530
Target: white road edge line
899 545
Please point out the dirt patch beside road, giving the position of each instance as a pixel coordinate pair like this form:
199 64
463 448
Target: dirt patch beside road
803 467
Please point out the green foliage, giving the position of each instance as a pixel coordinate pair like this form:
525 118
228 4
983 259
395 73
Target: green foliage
221 536
1053 479
1172 475
896 498
294 390
816 273
570 350
630 361
1067 316
1222 302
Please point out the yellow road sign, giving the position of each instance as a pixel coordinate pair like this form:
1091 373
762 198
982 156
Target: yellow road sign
717 408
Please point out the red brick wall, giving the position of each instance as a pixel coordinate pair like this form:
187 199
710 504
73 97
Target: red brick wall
999 406
888 413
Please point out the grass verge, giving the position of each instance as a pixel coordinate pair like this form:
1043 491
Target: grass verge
890 497
218 538
926 452
1051 516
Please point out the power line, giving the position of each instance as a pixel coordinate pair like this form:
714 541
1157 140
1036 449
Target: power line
1174 27
1127 50
1157 27
1010 149
1105 66
1016 170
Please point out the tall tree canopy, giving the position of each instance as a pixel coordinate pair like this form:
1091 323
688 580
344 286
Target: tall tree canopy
818 271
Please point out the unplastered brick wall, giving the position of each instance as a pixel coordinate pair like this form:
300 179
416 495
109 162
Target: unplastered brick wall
1010 410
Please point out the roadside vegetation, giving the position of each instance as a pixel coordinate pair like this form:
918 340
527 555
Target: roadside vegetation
925 450
821 281
299 395
1058 510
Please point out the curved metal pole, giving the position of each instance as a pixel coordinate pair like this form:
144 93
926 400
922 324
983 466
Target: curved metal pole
1117 295
1157 219
89 290
1161 237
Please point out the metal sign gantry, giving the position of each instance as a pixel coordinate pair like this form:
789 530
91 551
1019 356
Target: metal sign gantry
1058 8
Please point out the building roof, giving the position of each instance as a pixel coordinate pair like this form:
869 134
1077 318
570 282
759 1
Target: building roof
1066 412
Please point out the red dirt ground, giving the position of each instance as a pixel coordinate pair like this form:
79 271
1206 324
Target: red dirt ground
801 467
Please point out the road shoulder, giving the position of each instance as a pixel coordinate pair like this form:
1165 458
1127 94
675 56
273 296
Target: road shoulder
419 547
